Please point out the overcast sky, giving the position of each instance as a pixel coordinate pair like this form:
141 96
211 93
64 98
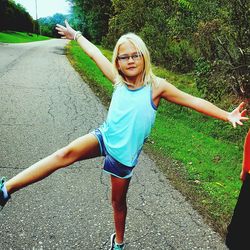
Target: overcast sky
45 7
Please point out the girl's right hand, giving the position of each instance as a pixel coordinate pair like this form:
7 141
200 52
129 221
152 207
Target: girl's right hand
66 32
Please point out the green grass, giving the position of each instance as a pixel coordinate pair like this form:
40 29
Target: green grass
88 69
20 37
201 156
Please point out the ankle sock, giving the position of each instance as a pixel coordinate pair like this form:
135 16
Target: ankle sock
121 244
5 193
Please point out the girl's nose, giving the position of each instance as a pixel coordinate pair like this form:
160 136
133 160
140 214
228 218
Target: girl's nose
130 59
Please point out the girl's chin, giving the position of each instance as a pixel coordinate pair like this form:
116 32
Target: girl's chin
132 73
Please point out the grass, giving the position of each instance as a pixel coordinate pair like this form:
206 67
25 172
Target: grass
20 37
200 155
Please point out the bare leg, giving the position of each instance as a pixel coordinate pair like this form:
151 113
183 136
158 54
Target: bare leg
82 148
119 203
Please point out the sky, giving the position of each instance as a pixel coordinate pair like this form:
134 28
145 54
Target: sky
45 7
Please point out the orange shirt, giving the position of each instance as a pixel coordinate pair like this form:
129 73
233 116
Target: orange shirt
246 155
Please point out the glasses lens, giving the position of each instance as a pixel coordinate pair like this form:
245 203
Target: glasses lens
125 58
136 56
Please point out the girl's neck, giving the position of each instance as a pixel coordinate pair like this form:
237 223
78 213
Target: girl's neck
134 83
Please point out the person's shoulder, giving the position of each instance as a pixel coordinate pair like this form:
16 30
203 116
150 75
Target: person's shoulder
161 84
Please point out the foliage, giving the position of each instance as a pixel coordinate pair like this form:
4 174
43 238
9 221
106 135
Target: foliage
94 16
15 17
180 32
48 24
239 16
155 26
211 79
224 43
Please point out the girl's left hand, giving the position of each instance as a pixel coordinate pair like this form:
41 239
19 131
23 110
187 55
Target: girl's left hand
236 116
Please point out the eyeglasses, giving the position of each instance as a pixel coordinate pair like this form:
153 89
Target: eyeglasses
125 58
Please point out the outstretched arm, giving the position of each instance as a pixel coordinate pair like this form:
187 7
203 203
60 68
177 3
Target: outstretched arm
246 157
89 48
172 94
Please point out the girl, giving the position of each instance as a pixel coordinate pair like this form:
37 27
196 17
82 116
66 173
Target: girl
237 235
137 94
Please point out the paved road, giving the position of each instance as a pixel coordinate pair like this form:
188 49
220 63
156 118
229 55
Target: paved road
44 105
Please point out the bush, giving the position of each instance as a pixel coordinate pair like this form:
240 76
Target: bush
181 55
212 79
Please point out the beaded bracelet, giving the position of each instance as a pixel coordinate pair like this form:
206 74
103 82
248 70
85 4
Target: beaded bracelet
77 35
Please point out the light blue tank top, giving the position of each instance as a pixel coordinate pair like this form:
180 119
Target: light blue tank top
130 118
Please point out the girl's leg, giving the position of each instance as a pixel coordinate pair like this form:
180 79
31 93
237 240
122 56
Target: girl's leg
82 148
119 203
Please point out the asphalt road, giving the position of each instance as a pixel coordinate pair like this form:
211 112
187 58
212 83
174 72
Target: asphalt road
44 105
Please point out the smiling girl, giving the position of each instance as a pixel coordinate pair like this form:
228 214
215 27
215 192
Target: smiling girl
137 94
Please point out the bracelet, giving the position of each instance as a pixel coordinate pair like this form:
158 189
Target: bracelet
77 35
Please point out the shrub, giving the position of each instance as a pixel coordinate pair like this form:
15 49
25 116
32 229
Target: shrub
212 79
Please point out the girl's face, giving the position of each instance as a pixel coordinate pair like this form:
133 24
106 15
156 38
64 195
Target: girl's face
130 63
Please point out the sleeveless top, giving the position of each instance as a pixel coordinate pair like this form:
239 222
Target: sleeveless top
129 121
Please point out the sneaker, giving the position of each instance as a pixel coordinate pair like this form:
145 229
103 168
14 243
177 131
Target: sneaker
3 198
114 246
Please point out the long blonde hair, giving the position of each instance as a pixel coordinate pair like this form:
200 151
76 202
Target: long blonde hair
148 76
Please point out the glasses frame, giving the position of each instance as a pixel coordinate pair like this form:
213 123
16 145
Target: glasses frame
125 58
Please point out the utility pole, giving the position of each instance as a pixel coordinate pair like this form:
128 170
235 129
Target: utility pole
36 19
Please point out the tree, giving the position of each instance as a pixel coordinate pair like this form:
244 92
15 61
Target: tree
224 43
94 16
14 17
48 24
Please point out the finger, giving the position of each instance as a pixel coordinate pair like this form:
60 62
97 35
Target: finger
244 118
241 105
61 33
66 23
244 112
64 37
60 26
240 123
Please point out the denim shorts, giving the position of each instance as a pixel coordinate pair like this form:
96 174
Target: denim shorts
111 165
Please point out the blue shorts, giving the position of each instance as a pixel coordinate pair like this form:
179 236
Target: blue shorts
111 165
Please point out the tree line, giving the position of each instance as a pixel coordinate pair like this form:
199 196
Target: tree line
15 17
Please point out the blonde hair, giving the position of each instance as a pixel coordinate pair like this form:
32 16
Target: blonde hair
148 76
